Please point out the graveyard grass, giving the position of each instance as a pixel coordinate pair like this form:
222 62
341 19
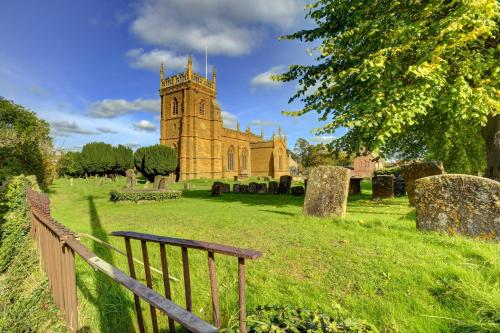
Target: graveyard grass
373 264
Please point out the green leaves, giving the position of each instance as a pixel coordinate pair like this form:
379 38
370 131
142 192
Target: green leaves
156 160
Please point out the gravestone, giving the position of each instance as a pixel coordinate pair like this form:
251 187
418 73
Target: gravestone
235 178
243 188
226 188
189 186
262 188
216 189
236 188
383 186
156 182
162 184
399 185
417 170
253 187
355 185
273 187
459 204
285 183
298 190
327 191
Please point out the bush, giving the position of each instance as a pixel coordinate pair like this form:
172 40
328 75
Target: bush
25 144
285 319
388 171
156 160
144 195
25 301
70 164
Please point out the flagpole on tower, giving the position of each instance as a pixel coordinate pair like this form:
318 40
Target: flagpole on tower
206 63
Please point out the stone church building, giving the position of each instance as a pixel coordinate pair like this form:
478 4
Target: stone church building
191 122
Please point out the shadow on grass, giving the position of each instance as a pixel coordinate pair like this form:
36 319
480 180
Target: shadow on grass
108 297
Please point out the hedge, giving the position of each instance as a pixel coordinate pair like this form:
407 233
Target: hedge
26 304
143 195
388 171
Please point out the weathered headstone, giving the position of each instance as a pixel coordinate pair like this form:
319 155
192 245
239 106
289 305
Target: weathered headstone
399 185
417 170
130 178
216 189
298 190
253 187
459 204
262 188
383 186
355 185
156 182
226 188
327 191
162 184
236 188
273 187
243 188
285 183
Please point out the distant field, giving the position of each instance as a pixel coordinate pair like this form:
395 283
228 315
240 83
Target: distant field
373 263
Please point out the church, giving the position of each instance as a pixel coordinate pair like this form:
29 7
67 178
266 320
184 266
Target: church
191 122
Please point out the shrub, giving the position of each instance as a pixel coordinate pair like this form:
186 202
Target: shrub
156 160
124 159
25 144
285 319
70 164
144 195
388 171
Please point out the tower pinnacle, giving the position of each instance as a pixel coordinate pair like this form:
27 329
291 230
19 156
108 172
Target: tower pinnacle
190 67
162 74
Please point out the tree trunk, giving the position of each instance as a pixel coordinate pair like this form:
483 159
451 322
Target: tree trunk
491 135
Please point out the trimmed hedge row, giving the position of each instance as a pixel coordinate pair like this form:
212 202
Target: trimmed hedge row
143 195
388 171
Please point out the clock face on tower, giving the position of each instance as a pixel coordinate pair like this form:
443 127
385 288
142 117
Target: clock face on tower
203 126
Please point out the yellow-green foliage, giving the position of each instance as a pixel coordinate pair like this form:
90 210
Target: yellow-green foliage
25 301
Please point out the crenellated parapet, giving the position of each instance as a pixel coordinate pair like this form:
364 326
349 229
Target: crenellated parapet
187 76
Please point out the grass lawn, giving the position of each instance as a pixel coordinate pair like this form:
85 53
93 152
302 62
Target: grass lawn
373 263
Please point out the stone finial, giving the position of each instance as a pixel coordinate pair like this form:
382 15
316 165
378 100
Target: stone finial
162 73
274 135
262 134
248 129
214 75
238 126
190 67
279 131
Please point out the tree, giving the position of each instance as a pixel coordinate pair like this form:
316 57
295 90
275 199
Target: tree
70 164
156 160
395 71
124 159
25 144
98 158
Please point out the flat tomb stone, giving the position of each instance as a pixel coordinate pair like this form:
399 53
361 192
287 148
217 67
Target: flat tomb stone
459 204
262 188
327 191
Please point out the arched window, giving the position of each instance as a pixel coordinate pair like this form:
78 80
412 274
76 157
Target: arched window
202 107
230 159
175 107
280 159
244 155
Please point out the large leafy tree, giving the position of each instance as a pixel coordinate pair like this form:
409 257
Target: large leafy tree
156 160
422 73
25 144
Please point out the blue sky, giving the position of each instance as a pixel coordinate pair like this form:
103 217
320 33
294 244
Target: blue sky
91 68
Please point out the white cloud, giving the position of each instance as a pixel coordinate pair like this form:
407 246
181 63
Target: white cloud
106 130
226 26
67 128
229 120
144 125
264 79
323 139
151 60
133 145
110 108
263 123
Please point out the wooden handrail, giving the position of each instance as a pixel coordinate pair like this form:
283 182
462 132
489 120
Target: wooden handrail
186 243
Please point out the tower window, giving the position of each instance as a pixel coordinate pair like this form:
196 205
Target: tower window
202 107
175 107
230 159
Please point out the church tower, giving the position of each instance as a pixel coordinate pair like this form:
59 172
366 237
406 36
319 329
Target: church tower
191 122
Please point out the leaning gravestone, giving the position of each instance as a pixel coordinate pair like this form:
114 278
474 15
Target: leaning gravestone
383 186
298 190
273 187
355 185
285 183
216 189
244 188
262 188
253 187
417 170
130 178
459 204
327 191
156 182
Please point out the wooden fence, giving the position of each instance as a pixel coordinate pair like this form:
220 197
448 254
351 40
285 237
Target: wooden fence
58 245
